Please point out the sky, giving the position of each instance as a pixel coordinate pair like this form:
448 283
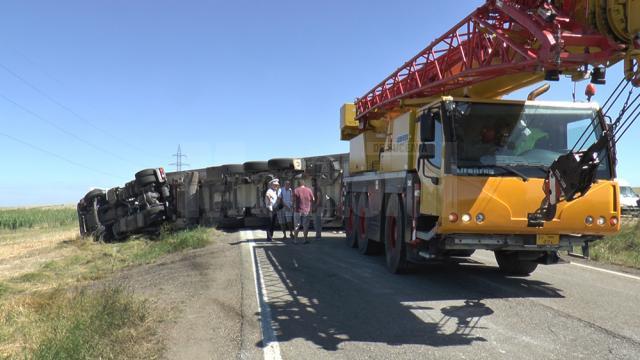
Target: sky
92 91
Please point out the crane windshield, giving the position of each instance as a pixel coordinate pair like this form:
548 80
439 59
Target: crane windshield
521 135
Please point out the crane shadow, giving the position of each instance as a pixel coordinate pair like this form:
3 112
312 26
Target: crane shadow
328 295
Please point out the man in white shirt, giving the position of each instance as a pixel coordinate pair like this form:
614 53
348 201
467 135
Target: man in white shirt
285 214
270 200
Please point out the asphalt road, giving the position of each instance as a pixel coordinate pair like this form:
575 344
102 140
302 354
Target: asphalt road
324 300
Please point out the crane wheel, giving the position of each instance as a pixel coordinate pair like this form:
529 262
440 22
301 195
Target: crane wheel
350 222
395 234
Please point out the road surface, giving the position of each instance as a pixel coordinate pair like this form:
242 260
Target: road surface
324 300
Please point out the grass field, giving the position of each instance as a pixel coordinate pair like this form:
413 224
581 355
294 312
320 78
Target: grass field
56 299
636 190
621 249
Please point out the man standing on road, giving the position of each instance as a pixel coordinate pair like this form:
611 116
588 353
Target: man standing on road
270 199
303 198
285 214
318 208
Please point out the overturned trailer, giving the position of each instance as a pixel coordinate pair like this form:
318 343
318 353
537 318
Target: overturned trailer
232 196
228 196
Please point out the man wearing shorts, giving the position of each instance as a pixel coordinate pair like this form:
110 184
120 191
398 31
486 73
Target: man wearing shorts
302 199
285 214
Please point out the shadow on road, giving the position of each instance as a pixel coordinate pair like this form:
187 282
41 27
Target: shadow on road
327 294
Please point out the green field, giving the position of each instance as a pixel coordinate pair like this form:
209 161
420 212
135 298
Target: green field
636 190
621 249
43 217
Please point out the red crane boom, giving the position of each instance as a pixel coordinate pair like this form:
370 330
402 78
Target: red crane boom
501 38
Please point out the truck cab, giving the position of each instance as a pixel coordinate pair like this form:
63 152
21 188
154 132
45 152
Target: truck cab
473 172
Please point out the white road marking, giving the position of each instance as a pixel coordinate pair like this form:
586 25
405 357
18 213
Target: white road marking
271 347
607 271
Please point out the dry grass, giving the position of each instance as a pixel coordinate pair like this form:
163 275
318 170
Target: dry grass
25 250
49 307
71 323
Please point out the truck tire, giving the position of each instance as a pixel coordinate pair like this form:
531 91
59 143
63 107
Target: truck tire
510 264
256 166
232 169
280 164
145 177
145 172
350 221
365 246
145 181
395 234
95 193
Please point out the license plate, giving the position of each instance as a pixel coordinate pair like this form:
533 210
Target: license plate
548 240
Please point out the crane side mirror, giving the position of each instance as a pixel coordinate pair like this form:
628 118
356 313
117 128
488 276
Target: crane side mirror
428 127
427 151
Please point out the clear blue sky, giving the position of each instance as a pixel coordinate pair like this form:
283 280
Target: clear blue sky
125 82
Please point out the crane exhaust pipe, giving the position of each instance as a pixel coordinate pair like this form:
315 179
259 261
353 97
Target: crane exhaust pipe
538 92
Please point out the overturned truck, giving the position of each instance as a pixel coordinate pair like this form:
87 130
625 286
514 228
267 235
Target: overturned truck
228 196
140 206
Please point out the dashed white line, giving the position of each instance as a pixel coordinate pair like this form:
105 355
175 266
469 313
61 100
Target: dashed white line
270 344
607 271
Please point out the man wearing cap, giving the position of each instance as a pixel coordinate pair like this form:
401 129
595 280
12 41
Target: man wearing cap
270 199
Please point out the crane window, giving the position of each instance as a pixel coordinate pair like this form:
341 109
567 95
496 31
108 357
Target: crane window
521 135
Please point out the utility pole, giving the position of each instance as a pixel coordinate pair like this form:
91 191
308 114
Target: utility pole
179 164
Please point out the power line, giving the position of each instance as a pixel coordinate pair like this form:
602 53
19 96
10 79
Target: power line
63 130
179 164
59 156
63 106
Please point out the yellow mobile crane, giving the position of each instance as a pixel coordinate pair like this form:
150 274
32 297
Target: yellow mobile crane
441 166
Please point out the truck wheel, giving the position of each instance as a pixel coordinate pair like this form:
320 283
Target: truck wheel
394 240
144 181
280 164
510 264
256 166
365 246
350 222
145 172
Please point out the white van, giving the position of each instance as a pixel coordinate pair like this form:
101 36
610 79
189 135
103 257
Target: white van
630 201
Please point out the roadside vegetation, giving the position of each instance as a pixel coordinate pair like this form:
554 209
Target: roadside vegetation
56 299
621 249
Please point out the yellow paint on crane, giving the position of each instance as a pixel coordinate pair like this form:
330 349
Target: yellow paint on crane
348 122
505 203
364 153
398 154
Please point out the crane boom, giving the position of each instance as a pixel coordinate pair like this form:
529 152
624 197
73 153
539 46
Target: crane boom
505 45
